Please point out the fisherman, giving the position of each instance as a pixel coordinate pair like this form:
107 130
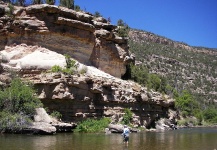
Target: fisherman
126 133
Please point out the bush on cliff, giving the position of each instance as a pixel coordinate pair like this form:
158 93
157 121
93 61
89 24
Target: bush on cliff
127 116
17 104
123 28
141 75
69 69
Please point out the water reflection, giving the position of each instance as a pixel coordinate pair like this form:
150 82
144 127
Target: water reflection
187 139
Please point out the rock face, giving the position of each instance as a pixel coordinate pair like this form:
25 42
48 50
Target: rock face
82 96
145 37
45 124
36 39
91 41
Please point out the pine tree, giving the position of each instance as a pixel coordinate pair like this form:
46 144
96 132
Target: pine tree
67 3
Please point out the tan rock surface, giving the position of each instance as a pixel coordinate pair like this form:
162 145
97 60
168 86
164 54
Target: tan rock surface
91 41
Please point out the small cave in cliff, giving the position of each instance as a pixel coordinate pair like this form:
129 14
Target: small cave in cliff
151 125
127 74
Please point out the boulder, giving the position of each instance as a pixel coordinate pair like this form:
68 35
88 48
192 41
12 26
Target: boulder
116 128
45 124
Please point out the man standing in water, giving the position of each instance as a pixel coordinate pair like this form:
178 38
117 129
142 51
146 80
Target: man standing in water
126 133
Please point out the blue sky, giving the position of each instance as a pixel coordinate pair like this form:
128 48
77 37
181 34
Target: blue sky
191 21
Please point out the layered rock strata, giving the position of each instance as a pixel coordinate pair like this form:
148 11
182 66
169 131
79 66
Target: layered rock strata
36 37
83 96
90 40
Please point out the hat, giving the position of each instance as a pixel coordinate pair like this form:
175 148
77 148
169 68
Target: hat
125 126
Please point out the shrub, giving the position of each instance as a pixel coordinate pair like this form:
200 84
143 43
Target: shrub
17 104
56 115
97 14
139 74
77 8
154 82
123 31
56 68
50 2
11 10
67 3
93 125
70 67
127 116
186 103
210 115
19 97
123 28
13 122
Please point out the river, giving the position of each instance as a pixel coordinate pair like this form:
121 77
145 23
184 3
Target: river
182 139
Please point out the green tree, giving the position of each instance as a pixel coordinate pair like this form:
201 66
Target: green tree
127 116
37 2
123 28
186 103
97 14
139 74
67 3
210 115
17 105
77 8
50 2
19 97
120 22
154 82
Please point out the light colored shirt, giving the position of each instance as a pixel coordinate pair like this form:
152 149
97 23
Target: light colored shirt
126 132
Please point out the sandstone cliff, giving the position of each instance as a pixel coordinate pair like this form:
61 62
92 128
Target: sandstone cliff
91 41
87 96
37 37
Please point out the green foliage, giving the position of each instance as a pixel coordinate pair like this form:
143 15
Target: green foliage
186 103
188 121
11 10
141 75
50 2
123 31
154 82
67 3
120 22
37 2
123 28
13 122
19 97
17 105
69 62
127 116
56 114
56 68
77 8
97 14
210 115
171 61
93 125
70 66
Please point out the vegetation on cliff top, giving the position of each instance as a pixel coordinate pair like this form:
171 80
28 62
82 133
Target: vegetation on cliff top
183 74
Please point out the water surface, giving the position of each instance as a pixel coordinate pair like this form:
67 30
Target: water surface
183 139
